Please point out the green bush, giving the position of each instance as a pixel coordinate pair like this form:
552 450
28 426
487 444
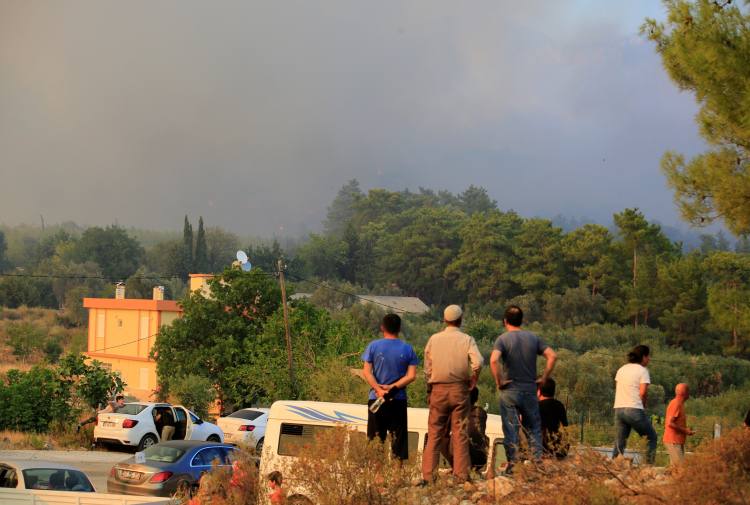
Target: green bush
192 391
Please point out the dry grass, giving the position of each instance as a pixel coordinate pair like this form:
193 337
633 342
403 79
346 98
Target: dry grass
60 436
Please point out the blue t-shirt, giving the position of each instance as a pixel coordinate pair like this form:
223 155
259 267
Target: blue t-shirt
390 359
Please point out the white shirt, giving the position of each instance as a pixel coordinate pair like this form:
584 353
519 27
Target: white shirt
629 379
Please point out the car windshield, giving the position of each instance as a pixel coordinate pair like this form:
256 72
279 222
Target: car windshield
248 415
57 479
163 453
130 409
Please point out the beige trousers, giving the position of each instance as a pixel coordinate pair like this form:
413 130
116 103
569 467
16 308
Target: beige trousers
676 452
166 433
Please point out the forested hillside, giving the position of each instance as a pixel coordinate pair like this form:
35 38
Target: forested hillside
440 247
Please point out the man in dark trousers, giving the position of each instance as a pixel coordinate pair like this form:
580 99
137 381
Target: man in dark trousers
516 379
553 417
389 364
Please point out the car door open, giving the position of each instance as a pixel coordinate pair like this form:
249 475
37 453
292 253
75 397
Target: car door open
183 424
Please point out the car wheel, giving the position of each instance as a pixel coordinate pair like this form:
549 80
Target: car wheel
146 442
259 447
185 489
214 439
298 500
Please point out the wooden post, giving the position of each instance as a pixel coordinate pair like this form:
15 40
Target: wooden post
582 421
286 323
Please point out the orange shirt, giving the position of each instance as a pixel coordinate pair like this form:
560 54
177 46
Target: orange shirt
276 496
675 409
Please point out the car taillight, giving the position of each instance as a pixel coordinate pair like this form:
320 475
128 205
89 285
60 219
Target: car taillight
96 421
247 427
112 472
160 477
129 423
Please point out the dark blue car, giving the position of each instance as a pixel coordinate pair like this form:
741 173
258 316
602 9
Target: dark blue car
169 467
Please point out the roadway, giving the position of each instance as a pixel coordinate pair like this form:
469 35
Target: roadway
95 464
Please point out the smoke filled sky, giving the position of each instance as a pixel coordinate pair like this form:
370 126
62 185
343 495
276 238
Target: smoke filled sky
253 114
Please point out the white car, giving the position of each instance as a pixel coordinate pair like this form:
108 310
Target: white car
245 426
134 425
33 474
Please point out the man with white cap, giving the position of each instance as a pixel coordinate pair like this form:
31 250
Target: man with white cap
446 366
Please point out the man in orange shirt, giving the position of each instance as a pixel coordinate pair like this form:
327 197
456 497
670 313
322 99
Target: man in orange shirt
676 431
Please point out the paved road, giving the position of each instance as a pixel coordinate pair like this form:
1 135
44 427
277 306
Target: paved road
95 464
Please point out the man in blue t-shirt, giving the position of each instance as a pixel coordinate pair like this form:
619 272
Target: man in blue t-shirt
517 381
389 364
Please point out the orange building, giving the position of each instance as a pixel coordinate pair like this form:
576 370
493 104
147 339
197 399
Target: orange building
121 334
123 331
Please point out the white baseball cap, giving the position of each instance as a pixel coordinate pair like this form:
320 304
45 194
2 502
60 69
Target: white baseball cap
453 313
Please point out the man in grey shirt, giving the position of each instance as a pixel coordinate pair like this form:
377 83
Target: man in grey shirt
517 381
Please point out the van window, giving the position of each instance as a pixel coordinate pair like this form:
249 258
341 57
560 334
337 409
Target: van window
293 435
500 457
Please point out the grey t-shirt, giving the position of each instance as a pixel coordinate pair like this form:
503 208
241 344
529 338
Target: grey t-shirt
519 350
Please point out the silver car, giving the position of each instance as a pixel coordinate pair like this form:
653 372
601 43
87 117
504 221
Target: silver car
43 475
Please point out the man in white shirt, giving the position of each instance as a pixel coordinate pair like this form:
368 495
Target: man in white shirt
631 397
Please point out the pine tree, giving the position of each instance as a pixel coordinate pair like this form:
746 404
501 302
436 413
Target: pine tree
187 243
200 260
704 49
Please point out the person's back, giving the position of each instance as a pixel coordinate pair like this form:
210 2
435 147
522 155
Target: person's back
631 393
519 351
553 415
513 364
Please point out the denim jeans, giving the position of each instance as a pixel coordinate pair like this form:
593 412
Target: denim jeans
513 404
636 419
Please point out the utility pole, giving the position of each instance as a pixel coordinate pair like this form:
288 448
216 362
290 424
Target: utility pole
286 323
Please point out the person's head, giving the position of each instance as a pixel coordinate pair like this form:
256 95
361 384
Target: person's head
274 479
682 391
474 395
513 316
547 389
453 315
639 355
120 399
391 325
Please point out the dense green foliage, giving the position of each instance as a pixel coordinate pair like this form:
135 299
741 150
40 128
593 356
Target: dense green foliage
30 401
705 49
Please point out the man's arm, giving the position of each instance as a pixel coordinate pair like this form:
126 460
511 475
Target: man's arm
644 393
370 378
671 423
428 360
477 363
497 369
411 375
551 360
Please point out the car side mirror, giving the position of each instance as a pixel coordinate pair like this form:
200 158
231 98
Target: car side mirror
199 421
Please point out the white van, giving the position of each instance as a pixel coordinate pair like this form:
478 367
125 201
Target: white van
291 423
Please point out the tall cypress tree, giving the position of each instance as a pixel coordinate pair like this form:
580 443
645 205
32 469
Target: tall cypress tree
187 243
200 260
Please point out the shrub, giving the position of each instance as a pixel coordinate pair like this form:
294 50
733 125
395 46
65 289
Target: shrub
24 339
350 470
194 392
719 473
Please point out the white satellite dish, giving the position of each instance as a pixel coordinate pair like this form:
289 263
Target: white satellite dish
242 258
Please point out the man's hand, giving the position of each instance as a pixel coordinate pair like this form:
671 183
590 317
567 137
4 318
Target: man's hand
472 382
502 383
690 432
540 382
379 391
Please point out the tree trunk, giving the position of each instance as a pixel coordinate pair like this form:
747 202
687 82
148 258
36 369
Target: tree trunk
734 329
635 286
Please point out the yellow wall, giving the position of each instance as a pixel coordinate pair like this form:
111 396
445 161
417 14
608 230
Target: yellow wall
127 343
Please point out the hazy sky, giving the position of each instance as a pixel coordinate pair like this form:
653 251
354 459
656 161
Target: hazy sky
254 114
